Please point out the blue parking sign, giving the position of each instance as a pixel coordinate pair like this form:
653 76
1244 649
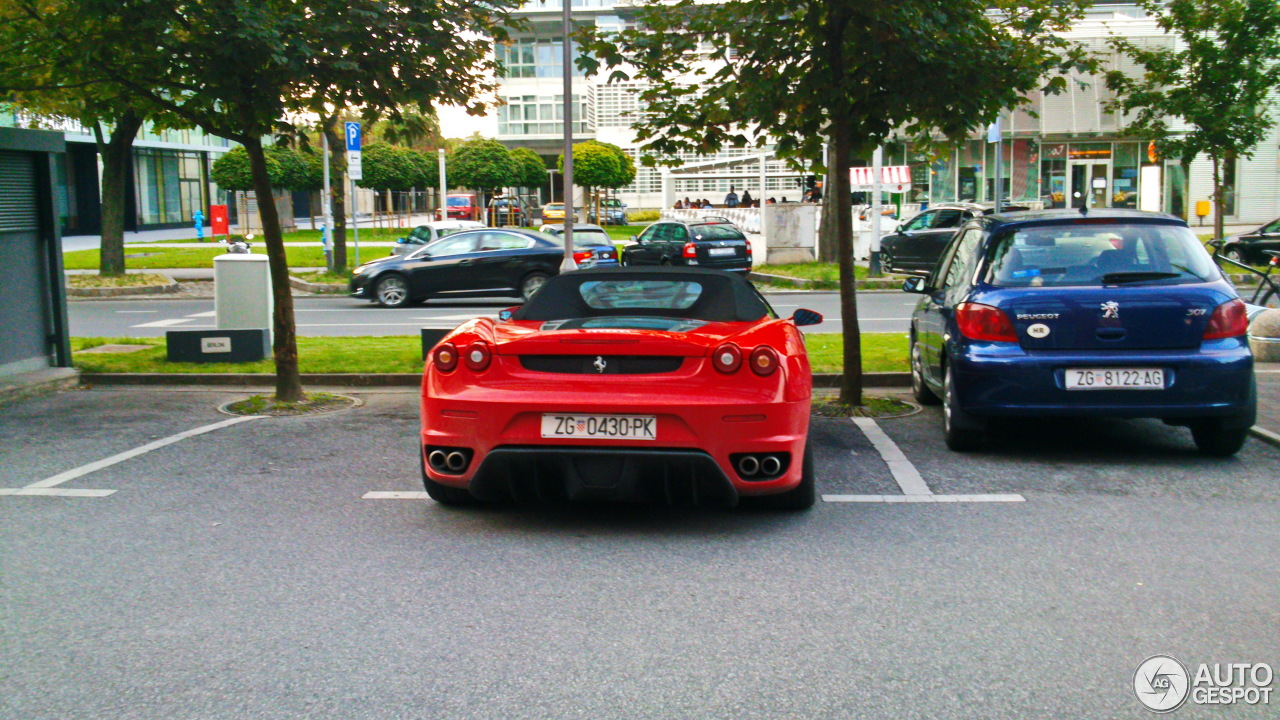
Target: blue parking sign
353 137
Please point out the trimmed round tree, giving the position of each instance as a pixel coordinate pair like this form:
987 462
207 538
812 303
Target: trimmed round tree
531 170
484 164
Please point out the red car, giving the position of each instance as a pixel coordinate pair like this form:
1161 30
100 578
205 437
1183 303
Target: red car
675 385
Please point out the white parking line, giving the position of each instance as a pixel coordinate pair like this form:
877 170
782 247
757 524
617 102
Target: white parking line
991 497
48 485
904 473
914 488
395 495
170 322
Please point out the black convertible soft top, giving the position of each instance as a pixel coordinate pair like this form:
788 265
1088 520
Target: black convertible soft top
724 296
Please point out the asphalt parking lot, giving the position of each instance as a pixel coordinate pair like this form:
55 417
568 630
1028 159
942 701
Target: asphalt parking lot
289 567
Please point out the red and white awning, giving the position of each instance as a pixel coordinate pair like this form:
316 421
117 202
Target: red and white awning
893 178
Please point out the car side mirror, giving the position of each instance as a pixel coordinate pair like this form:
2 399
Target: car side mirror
1217 244
505 315
802 317
916 284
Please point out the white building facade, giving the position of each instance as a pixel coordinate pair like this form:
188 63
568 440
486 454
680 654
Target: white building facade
1055 152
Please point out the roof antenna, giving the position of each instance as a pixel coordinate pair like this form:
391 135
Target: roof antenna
1084 208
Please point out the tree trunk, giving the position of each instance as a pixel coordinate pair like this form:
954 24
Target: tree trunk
851 383
285 347
116 154
338 167
828 242
1218 203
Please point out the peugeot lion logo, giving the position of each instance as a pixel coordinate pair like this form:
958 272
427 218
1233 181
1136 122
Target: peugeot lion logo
600 364
1110 310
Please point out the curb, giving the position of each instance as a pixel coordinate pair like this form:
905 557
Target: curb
824 380
317 288
111 292
808 285
1265 435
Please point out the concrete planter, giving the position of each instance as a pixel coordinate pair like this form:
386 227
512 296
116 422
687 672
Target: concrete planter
1264 336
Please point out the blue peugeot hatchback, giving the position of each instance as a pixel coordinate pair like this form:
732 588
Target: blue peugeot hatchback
1077 313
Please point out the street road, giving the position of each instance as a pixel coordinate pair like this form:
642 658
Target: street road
878 312
289 568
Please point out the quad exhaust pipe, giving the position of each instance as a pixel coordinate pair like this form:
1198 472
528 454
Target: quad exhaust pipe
448 460
763 466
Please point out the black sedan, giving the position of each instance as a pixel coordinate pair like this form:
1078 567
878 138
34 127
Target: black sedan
476 262
706 243
1247 247
917 243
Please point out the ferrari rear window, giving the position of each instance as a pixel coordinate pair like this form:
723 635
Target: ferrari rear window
709 296
640 294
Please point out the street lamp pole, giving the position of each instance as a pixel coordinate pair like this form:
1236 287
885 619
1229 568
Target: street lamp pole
567 70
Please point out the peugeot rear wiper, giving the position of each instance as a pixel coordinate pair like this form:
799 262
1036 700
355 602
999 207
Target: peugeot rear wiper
1117 278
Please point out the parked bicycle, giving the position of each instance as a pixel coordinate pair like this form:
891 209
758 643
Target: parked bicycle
1267 294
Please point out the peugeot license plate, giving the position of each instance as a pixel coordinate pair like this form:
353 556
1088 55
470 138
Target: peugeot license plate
1115 379
611 427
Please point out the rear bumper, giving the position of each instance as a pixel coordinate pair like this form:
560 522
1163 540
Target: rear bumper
670 476
998 379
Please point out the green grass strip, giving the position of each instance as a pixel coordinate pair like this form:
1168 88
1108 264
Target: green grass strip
881 352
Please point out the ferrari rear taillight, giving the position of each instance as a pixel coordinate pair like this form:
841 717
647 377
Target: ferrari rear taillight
984 322
727 358
445 357
690 250
764 360
477 356
1228 320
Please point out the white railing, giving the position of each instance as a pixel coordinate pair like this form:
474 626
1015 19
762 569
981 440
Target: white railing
747 219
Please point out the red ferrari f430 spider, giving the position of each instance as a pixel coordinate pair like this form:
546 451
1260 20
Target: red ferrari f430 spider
674 385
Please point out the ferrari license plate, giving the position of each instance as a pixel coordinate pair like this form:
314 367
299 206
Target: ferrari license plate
622 427
721 251
1115 379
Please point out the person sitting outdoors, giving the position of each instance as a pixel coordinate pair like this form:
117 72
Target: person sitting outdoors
746 199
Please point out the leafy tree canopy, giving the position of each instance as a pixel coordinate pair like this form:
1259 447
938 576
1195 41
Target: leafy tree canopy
387 167
600 165
482 163
531 171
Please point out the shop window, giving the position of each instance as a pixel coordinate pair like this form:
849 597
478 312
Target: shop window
1125 165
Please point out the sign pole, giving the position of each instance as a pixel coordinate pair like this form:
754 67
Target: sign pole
355 172
873 269
444 185
567 70
326 206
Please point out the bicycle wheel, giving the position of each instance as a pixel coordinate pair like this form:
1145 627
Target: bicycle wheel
1270 299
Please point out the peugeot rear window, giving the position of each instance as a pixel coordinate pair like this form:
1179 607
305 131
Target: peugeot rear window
459 202
1098 254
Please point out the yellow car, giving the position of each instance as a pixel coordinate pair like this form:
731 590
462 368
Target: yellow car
555 212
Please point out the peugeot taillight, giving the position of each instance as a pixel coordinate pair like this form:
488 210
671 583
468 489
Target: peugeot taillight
727 358
477 356
445 357
690 250
764 360
984 322
1228 320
